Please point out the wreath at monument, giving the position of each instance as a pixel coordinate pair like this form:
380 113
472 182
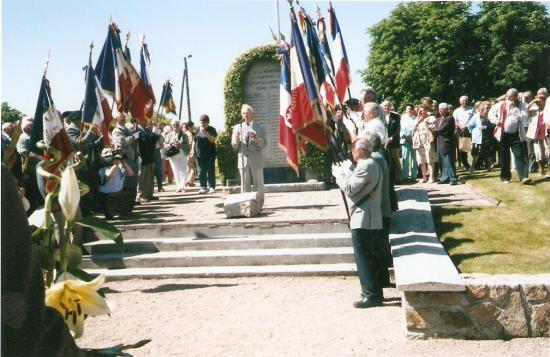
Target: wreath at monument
234 99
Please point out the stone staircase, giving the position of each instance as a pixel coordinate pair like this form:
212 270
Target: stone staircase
225 251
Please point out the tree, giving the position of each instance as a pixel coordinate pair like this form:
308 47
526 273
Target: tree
421 49
10 114
515 40
443 50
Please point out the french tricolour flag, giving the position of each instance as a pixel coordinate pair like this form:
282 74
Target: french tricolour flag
49 128
287 137
96 109
305 113
145 61
341 64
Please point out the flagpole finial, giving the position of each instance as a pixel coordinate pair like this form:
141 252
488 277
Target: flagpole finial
273 35
47 63
318 12
290 2
128 34
142 38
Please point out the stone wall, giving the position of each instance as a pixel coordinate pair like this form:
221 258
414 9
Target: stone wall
490 308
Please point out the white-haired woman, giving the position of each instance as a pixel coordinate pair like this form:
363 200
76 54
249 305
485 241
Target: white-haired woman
177 149
422 142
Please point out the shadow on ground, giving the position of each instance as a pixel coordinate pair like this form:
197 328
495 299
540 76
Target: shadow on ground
174 287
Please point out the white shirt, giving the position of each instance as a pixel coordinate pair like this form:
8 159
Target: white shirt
462 116
376 126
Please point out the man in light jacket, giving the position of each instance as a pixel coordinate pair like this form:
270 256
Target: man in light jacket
362 185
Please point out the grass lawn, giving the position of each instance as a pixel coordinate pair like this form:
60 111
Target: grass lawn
513 238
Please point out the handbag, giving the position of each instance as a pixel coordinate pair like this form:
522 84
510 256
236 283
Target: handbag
465 144
171 150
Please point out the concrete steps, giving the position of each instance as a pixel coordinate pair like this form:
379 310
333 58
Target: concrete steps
224 256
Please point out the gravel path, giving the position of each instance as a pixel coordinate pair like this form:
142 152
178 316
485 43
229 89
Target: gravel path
303 316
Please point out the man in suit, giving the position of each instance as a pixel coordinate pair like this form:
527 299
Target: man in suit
249 140
444 130
85 144
125 141
362 185
393 144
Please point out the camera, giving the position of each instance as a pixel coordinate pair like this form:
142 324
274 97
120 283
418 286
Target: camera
118 154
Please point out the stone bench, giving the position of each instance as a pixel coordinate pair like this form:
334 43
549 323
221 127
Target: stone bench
420 261
438 302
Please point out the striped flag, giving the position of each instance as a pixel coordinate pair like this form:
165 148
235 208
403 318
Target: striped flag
305 113
287 137
166 99
49 128
96 110
341 64
145 61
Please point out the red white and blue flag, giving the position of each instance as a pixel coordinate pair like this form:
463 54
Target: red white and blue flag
49 128
145 61
96 110
306 116
287 137
341 64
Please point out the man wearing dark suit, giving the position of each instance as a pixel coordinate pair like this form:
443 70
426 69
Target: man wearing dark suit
362 185
393 144
444 129
84 143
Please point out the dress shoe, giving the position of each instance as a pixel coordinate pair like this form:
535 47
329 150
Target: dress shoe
153 198
526 181
442 182
454 183
365 303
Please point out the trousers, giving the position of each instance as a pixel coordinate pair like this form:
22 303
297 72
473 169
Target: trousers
368 252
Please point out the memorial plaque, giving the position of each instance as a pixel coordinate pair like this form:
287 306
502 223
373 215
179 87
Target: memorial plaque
261 92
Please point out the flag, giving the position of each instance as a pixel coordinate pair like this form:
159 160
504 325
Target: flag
49 128
166 99
110 68
145 61
305 113
320 67
96 110
341 64
287 137
323 40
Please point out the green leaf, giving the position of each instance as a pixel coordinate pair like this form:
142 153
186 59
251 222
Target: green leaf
105 228
74 256
81 274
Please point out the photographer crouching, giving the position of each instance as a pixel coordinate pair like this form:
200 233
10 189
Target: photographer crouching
114 199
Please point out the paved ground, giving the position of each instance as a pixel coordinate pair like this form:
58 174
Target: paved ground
270 317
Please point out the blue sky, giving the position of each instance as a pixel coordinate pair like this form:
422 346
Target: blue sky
214 32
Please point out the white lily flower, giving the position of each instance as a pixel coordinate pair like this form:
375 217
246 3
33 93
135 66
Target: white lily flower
69 194
76 299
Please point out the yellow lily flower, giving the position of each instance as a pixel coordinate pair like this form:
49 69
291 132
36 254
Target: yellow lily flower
69 194
76 299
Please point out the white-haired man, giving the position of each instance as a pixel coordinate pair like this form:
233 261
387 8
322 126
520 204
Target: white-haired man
462 116
248 139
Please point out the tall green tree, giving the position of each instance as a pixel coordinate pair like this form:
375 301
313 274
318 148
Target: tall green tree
515 45
443 50
421 49
10 114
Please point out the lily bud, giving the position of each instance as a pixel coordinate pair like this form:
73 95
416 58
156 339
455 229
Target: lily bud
69 194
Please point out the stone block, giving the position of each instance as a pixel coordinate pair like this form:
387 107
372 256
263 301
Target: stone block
498 294
419 319
484 314
540 316
513 318
454 319
423 299
476 292
535 293
246 204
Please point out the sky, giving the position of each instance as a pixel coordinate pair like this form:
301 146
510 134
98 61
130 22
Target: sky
214 32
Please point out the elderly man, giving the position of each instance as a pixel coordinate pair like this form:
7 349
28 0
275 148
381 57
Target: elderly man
30 159
393 145
373 123
147 142
124 141
248 139
462 116
510 131
362 185
444 129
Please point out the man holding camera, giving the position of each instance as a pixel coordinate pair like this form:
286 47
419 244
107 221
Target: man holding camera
125 141
114 199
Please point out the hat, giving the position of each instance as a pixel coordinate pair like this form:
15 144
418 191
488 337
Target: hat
107 154
73 115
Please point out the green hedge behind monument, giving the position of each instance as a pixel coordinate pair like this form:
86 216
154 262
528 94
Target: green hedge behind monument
234 99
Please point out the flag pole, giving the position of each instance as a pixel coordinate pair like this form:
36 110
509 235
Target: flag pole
182 89
161 101
47 64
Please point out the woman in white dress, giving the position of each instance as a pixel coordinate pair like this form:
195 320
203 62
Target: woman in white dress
177 138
